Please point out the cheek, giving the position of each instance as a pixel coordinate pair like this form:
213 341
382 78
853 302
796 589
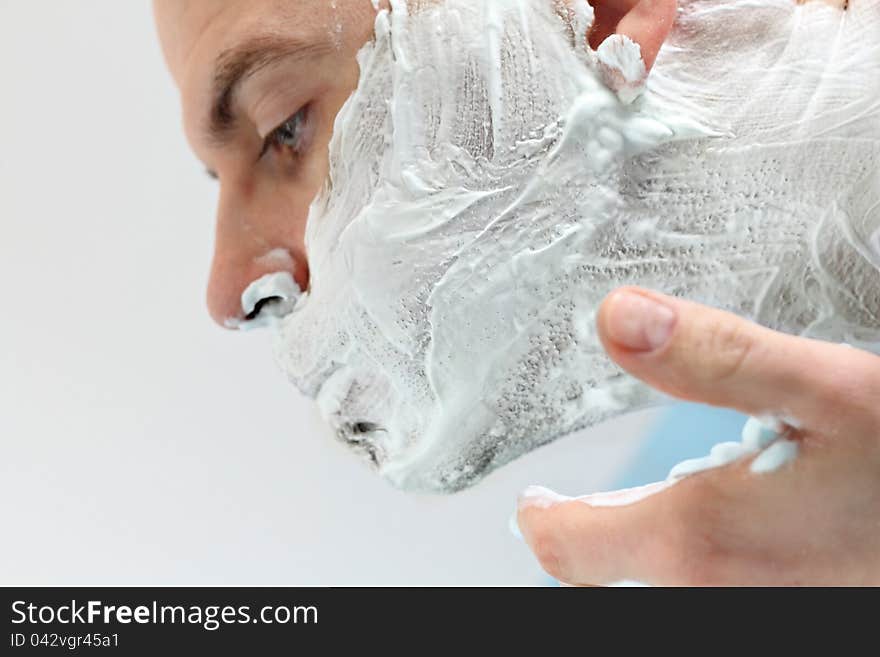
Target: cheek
320 132
353 23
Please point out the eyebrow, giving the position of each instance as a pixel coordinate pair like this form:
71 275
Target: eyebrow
236 64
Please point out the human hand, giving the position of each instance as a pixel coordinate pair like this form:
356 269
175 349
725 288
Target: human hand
814 521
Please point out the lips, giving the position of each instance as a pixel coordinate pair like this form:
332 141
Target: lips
361 437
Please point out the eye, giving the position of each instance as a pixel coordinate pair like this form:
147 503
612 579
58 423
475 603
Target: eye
289 135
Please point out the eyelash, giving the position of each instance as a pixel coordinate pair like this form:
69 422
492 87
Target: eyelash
288 135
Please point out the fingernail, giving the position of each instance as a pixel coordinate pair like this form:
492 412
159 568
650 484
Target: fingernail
639 322
540 497
625 496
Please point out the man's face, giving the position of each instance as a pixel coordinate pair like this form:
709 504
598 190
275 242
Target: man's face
457 215
261 82
467 190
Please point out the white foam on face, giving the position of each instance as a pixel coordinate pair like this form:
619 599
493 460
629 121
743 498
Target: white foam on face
487 189
875 242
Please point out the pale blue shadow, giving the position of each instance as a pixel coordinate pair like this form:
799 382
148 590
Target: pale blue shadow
684 431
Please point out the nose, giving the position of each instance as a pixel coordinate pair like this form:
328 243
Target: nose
259 268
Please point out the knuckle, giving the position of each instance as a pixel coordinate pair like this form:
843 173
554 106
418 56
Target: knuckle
858 388
726 347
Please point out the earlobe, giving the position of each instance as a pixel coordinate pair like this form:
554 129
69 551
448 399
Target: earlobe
645 22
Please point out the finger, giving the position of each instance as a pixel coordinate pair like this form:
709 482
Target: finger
580 544
647 22
702 354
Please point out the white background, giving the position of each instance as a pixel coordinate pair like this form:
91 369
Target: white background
140 444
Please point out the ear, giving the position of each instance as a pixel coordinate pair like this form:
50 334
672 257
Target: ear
646 22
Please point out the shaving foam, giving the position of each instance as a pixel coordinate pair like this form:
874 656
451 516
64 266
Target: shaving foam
489 186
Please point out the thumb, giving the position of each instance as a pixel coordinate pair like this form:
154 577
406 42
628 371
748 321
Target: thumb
702 354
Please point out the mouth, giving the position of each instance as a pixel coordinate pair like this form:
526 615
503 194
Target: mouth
358 437
339 398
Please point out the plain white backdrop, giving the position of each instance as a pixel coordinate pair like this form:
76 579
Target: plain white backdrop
140 444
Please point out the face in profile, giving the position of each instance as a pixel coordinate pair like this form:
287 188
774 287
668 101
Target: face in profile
456 187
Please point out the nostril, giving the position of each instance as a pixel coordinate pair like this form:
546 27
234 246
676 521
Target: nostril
266 300
259 306
278 287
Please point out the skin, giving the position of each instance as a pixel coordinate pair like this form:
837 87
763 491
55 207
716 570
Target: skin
264 201
814 521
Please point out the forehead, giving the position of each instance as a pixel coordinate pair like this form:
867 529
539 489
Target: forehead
195 32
